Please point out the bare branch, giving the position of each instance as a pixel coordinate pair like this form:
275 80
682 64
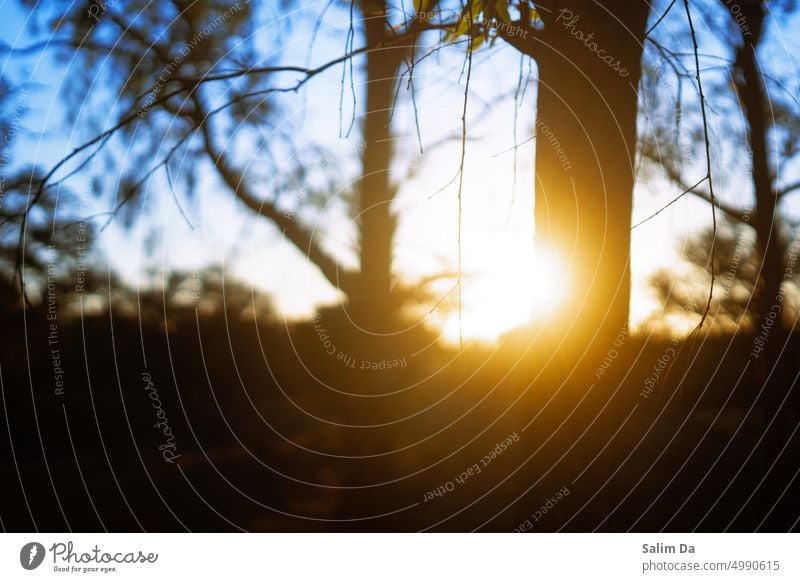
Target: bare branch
674 175
660 18
786 190
394 42
524 45
708 163
461 177
668 204
293 232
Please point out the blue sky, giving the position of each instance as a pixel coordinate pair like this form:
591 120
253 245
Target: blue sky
497 217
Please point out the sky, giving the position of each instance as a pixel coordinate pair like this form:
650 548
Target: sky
498 251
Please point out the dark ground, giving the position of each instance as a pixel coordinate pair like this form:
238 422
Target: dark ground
706 450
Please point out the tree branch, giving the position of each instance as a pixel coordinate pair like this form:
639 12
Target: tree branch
294 233
672 173
786 190
525 45
394 42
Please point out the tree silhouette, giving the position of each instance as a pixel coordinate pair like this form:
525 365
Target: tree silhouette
768 114
588 57
188 86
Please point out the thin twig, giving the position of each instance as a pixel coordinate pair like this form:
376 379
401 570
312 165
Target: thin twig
517 92
660 18
670 203
708 165
348 48
461 181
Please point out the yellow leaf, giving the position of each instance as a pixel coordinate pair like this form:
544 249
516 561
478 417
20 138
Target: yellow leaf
477 8
463 26
421 6
476 42
502 10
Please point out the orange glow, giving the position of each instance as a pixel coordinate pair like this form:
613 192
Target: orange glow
518 285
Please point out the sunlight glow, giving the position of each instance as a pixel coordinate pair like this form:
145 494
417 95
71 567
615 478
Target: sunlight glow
519 285
549 283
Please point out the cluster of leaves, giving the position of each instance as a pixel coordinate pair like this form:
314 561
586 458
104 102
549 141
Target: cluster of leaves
480 20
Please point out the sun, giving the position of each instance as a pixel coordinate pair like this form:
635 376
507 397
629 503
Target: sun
548 283
517 285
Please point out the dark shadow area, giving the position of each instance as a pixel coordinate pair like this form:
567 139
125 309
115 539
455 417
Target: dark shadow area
213 414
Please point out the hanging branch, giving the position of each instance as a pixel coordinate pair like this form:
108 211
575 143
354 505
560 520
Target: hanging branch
671 172
670 203
712 199
708 166
461 175
187 86
660 18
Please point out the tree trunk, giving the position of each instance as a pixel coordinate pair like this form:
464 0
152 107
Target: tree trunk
589 70
770 247
376 222
752 96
